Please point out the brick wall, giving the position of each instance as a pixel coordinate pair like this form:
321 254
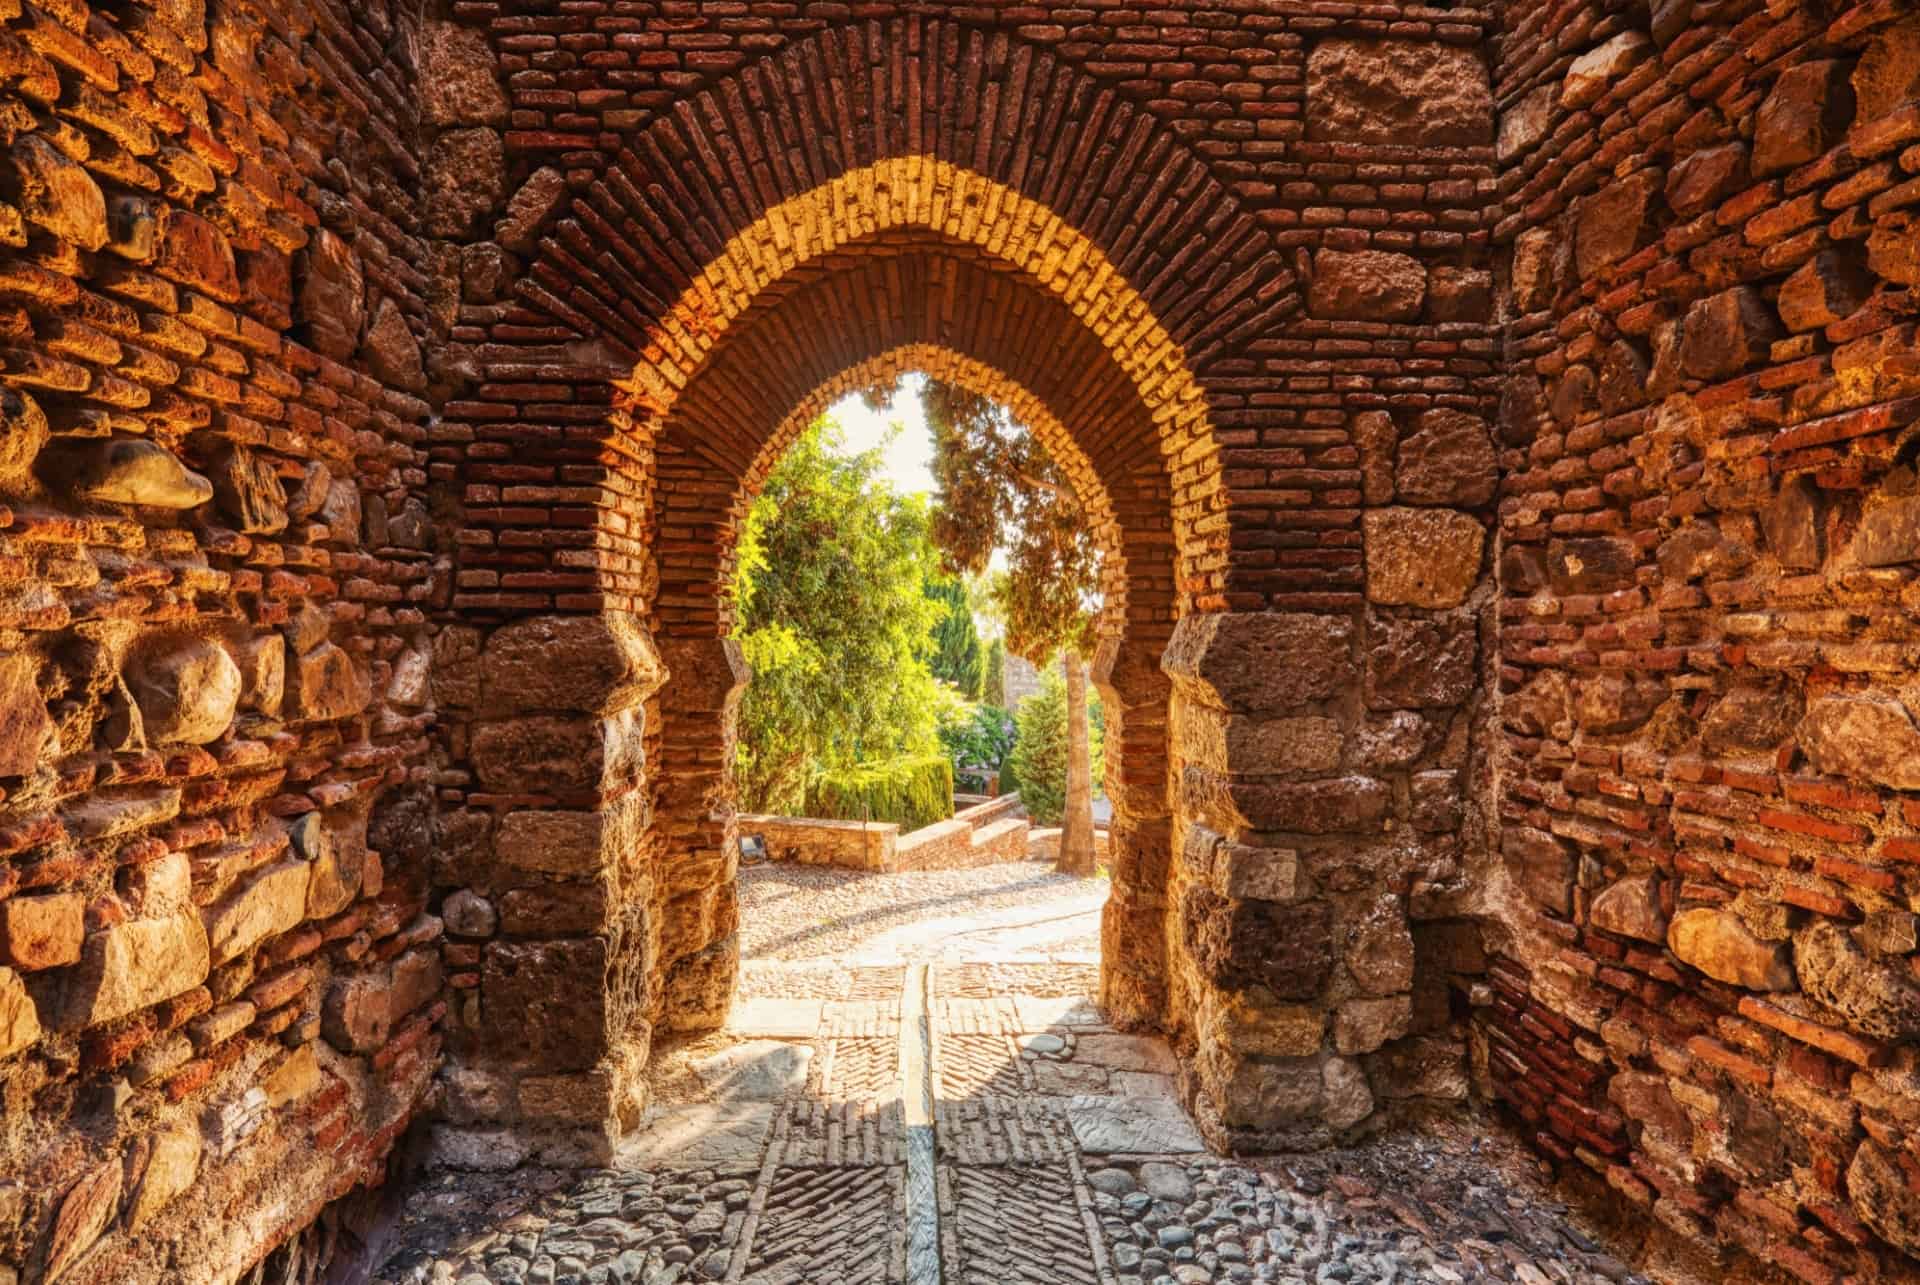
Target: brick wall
1710 992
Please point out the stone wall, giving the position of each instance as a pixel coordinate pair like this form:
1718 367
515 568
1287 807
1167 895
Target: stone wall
809 841
219 989
1707 992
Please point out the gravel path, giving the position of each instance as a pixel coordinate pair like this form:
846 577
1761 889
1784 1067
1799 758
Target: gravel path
791 912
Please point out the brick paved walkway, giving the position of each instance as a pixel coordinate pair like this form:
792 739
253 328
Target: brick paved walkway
973 1123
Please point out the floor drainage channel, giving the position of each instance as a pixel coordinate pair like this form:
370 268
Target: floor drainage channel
916 1096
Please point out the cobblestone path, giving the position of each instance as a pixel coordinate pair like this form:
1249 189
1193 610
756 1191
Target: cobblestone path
972 1124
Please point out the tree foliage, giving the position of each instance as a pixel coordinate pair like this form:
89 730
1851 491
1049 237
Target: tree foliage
997 487
993 687
1040 749
832 616
957 656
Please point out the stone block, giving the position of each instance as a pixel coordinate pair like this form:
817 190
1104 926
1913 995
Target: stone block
1288 949
595 664
1862 738
57 193
1459 295
326 684
392 353
297 1076
42 931
1375 437
1525 123
130 966
1705 177
263 674
1532 275
1751 719
1420 662
1829 287
357 1016
1363 1025
333 297
1541 865
1616 222
1400 92
1447 460
1727 332
1874 996
86 1211
464 181
1422 557
1610 703
1716 942
1366 285
19 1018
1596 564
459 78
1884 1196
1241 871
1631 908
562 843
195 253
271 902
1435 802
700 986
1596 70
123 470
187 690
528 213
558 754
1236 1020
1379 948
1256 662
580 1098
468 914
552 995
1224 742
1889 532
1805 113
173 1162
26 730
1340 805
334 844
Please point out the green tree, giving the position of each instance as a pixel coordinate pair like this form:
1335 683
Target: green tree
993 688
831 615
1043 746
998 488
957 658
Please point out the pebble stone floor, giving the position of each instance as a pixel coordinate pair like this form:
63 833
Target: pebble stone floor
946 1104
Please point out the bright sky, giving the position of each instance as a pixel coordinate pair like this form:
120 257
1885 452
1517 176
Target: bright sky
907 461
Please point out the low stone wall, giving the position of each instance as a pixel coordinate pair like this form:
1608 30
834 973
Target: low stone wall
853 845
987 832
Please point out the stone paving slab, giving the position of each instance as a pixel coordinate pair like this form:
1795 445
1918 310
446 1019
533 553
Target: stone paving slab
729 1137
1102 1123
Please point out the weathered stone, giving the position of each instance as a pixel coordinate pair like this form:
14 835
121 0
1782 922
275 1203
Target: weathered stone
173 1162
1889 533
1541 865
1448 459
270 903
1363 1025
341 512
465 180
1336 806
1288 949
1422 557
326 684
334 844
1575 395
1615 222
1595 71
27 732
392 351
1525 123
56 193
553 993
187 691
333 296
1226 742
1806 113
1379 948
1435 801
459 79
1863 738
1420 1066
1253 662
1829 287
1727 332
19 1018
1367 285
1610 703
356 1017
23 432
1875 997
196 253
1265 874
1755 719
1699 549
1599 564
263 674
417 979
129 966
530 209
42 931
1459 295
468 914
1532 276
124 470
1420 662
1793 524
1884 1196
1718 944
1398 92
596 664
1706 177
1631 908
1893 248
1374 436
297 1076
86 1211
1623 377
248 488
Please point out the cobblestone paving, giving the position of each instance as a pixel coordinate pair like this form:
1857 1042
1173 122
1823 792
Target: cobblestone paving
777 1153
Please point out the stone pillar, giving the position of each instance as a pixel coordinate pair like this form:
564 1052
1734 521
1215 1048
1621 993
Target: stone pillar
547 896
1285 913
1133 933
699 956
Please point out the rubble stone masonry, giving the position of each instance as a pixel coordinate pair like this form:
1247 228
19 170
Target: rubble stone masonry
1499 422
